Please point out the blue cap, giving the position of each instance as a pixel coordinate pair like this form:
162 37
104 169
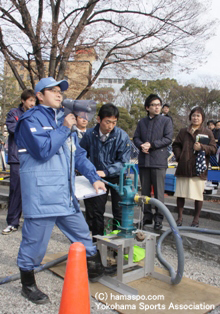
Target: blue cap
50 82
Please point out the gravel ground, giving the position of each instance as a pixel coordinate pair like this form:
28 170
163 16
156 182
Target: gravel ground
12 302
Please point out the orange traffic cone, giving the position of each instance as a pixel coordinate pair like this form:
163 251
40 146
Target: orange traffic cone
75 295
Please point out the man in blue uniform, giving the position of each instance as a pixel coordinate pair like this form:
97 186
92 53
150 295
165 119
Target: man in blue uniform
43 136
108 148
28 100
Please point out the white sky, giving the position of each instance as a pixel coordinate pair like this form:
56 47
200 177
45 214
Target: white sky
210 71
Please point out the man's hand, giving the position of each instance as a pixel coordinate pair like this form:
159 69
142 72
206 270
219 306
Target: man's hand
101 173
69 120
99 185
145 147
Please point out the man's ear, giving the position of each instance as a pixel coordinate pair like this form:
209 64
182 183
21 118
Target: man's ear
39 95
98 119
147 109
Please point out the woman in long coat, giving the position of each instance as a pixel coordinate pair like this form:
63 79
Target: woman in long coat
190 184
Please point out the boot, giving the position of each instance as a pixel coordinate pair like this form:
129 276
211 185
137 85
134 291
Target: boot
95 268
30 289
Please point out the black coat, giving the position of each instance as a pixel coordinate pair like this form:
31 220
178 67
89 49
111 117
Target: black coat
158 132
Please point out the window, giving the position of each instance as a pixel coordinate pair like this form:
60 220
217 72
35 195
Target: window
110 81
21 67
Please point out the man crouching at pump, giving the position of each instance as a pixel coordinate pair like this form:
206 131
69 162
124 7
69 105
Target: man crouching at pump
43 136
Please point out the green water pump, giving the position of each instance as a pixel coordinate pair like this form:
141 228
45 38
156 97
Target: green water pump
127 189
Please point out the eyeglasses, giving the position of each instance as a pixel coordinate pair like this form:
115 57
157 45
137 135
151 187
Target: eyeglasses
54 90
155 105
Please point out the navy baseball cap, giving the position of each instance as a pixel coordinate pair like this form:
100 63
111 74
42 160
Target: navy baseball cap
50 82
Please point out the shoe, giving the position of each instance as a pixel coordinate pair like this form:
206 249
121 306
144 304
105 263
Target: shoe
95 268
158 225
147 222
30 289
111 270
195 224
9 229
179 222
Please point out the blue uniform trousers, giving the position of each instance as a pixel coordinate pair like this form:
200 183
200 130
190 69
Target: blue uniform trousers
36 234
14 205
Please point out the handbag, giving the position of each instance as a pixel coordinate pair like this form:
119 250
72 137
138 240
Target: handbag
200 163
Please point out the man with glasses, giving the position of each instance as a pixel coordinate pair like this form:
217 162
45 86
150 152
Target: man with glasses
44 139
152 136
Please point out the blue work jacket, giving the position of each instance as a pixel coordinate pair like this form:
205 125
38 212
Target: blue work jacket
109 156
44 153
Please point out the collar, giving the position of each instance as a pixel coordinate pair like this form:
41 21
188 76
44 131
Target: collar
100 133
54 110
21 107
80 131
151 118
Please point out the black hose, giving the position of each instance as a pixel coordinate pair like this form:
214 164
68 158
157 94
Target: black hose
36 270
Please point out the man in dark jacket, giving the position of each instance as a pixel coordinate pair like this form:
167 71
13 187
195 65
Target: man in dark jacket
165 111
108 148
152 136
14 206
81 124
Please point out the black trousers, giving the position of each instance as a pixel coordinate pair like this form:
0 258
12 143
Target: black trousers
155 177
14 205
95 208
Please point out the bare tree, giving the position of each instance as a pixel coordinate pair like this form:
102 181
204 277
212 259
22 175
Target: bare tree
124 33
9 98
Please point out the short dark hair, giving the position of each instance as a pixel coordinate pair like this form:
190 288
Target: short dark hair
210 121
27 93
166 105
108 110
150 98
198 109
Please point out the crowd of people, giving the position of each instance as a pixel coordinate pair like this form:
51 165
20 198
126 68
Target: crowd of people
45 154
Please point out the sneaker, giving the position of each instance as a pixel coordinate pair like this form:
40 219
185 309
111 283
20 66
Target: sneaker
9 229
